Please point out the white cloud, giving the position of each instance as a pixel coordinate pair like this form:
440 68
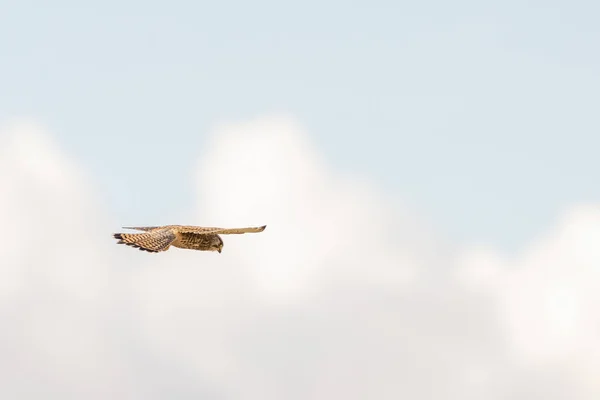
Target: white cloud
549 297
344 295
56 300
265 171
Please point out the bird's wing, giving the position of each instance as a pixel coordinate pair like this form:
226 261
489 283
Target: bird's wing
143 228
153 241
199 230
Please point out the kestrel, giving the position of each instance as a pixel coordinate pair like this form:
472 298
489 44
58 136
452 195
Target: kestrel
159 238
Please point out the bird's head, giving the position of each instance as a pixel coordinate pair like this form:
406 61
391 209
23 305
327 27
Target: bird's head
216 244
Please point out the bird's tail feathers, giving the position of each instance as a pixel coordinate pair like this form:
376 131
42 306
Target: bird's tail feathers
152 242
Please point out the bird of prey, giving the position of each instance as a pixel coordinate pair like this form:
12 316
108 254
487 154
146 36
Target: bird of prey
155 239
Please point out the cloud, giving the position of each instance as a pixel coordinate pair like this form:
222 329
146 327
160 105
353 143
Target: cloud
548 297
319 221
56 301
346 294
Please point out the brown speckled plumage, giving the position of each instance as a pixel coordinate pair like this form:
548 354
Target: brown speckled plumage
160 238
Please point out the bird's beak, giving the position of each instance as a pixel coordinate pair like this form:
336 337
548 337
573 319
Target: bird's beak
219 251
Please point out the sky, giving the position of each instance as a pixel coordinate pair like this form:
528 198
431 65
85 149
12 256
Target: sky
481 115
427 174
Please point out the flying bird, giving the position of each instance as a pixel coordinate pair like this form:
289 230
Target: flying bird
155 239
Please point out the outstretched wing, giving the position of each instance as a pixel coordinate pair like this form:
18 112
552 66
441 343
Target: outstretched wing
153 241
143 228
198 230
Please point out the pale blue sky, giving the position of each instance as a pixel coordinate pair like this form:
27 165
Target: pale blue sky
485 118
